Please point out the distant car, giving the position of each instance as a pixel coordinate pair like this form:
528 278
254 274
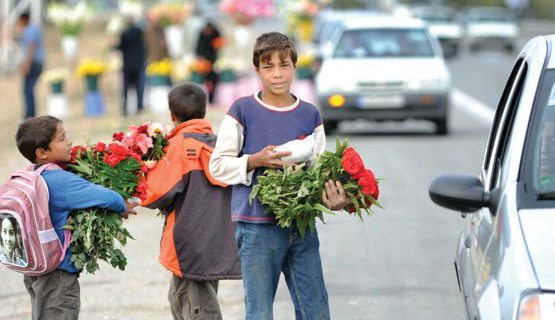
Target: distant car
505 256
442 23
486 26
383 68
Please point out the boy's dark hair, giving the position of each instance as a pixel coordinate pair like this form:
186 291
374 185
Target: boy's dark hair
187 101
268 43
35 133
25 17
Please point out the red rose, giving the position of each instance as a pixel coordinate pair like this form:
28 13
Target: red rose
368 182
144 168
118 136
352 163
142 129
100 147
77 152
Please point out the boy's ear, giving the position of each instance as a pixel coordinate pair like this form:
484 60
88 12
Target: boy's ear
41 154
172 117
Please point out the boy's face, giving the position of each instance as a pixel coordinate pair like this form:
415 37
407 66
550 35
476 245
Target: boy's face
59 149
277 74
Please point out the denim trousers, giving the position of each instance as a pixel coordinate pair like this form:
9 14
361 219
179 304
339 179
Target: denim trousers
267 250
29 82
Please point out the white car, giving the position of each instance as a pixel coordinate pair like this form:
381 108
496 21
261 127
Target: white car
443 25
505 256
383 68
489 25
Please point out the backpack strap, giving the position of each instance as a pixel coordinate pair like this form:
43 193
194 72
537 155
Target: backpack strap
67 239
44 167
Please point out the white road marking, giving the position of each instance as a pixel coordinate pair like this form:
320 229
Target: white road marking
471 105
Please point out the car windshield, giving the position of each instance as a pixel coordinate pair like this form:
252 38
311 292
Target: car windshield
384 43
544 151
491 16
439 16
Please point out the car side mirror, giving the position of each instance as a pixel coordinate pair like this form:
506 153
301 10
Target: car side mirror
458 192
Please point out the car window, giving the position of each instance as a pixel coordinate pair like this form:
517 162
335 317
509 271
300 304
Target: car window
500 175
544 152
384 43
498 115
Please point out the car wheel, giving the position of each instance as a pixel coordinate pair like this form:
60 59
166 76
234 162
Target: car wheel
330 126
442 127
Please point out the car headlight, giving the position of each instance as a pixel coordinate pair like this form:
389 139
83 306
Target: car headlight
426 84
335 86
536 306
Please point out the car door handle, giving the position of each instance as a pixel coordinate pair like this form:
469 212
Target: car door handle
468 242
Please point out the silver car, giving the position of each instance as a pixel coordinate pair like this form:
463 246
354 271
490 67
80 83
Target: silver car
505 257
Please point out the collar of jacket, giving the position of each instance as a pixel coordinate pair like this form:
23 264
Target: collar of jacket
195 125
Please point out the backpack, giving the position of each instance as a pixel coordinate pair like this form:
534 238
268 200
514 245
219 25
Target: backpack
28 242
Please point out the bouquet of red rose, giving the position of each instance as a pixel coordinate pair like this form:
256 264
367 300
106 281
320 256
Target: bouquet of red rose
294 194
120 166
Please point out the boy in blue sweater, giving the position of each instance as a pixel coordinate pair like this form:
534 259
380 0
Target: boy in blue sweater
246 145
43 140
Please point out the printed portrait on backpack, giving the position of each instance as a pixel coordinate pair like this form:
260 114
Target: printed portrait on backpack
11 242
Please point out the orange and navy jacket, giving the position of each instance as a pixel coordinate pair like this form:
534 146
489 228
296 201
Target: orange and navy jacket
198 241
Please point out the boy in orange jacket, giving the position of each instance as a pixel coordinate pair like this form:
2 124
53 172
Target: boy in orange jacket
198 244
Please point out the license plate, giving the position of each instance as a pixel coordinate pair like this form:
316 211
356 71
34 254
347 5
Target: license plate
377 101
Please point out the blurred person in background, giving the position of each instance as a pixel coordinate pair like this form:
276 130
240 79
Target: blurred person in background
208 44
155 40
132 47
33 60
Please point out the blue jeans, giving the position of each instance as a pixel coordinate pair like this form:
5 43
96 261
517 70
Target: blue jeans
28 89
267 250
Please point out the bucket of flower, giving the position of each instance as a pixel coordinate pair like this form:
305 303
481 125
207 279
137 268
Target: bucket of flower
121 166
294 194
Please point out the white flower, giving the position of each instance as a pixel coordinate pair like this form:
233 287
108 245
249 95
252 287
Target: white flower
150 164
155 128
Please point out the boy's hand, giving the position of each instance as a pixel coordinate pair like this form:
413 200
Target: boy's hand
129 209
334 195
267 158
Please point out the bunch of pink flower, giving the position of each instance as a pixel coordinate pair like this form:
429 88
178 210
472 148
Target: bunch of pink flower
135 151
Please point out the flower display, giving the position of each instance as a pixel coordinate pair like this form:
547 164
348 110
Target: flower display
159 68
121 166
69 19
56 75
294 194
168 14
245 11
91 67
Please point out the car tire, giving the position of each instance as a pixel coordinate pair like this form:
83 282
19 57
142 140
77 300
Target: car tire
442 127
330 126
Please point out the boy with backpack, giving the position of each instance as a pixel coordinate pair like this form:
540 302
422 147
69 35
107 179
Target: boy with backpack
197 244
53 285
247 144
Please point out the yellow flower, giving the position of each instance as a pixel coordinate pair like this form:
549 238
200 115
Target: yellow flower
91 67
305 60
159 68
56 75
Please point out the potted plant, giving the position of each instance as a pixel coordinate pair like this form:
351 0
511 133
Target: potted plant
91 70
57 99
70 22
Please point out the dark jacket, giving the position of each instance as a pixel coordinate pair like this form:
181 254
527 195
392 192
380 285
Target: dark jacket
132 46
198 242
